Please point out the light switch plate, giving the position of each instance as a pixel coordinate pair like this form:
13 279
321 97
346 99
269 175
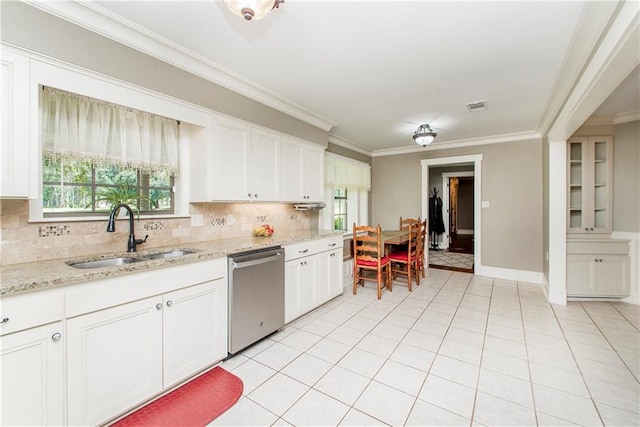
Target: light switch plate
485 204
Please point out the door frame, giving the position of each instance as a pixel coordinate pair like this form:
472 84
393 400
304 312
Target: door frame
446 201
476 159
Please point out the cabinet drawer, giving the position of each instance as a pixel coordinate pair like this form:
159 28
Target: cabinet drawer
31 309
604 247
298 250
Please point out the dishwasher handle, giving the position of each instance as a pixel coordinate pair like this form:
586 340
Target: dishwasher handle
257 261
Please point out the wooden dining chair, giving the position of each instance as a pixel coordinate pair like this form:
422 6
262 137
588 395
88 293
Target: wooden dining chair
422 237
405 262
368 255
406 222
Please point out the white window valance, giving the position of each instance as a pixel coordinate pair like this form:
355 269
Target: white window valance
77 126
345 173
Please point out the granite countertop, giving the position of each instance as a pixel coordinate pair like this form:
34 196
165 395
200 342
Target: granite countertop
30 276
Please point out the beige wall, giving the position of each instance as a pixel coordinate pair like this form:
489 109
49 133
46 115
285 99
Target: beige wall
32 29
626 177
511 181
22 241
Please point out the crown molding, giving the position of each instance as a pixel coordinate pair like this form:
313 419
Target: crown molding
349 145
630 116
102 21
471 142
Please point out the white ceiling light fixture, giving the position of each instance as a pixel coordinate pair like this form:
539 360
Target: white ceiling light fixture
424 135
252 10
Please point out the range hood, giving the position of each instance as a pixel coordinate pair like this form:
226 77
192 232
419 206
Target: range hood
308 206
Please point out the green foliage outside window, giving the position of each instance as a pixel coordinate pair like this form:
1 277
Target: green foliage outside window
79 187
340 209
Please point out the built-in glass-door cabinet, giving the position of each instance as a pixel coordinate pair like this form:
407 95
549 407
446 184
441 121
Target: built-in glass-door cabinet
590 184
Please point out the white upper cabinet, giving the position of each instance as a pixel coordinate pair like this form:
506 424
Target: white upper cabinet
264 166
230 149
235 161
245 163
302 171
14 125
590 184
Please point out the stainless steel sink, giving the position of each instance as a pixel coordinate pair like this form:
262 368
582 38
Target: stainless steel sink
169 254
107 262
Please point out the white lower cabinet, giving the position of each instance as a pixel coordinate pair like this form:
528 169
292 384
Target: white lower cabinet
313 275
32 372
598 268
301 289
114 360
194 333
120 356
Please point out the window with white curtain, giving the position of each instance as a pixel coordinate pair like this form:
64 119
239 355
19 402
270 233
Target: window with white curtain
347 183
95 153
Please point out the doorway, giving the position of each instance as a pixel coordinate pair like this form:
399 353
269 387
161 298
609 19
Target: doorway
458 209
473 162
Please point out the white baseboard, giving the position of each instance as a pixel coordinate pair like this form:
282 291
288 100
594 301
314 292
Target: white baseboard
510 274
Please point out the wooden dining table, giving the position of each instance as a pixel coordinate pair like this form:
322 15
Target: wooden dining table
391 238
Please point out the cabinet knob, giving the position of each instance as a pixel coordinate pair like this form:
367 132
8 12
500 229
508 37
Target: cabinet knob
249 195
4 320
332 244
159 306
255 195
333 254
304 252
56 336
169 303
591 229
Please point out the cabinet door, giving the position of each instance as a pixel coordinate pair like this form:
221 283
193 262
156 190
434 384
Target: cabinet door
264 166
114 360
195 329
329 275
300 287
597 275
611 275
590 177
32 371
313 174
231 161
14 125
291 166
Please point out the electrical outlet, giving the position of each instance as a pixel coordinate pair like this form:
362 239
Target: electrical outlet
231 219
485 204
197 220
246 226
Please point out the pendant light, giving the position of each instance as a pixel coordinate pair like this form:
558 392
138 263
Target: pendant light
252 9
424 135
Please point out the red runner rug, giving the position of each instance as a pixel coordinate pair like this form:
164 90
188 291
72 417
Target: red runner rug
196 403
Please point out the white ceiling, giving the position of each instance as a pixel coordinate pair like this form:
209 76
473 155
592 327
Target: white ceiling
378 69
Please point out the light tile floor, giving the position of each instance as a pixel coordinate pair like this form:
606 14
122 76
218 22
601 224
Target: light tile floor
459 350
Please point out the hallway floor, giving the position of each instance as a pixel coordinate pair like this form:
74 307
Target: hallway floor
459 350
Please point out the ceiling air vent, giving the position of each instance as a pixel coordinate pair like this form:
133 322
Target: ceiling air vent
477 106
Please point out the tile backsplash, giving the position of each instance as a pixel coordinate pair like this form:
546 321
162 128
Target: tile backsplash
21 241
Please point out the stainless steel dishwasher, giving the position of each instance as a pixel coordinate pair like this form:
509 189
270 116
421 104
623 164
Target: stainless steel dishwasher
256 296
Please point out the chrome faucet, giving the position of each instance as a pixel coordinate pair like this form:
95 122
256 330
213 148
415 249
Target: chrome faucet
111 227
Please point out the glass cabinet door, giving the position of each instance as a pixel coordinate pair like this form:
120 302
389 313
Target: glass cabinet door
589 171
575 185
